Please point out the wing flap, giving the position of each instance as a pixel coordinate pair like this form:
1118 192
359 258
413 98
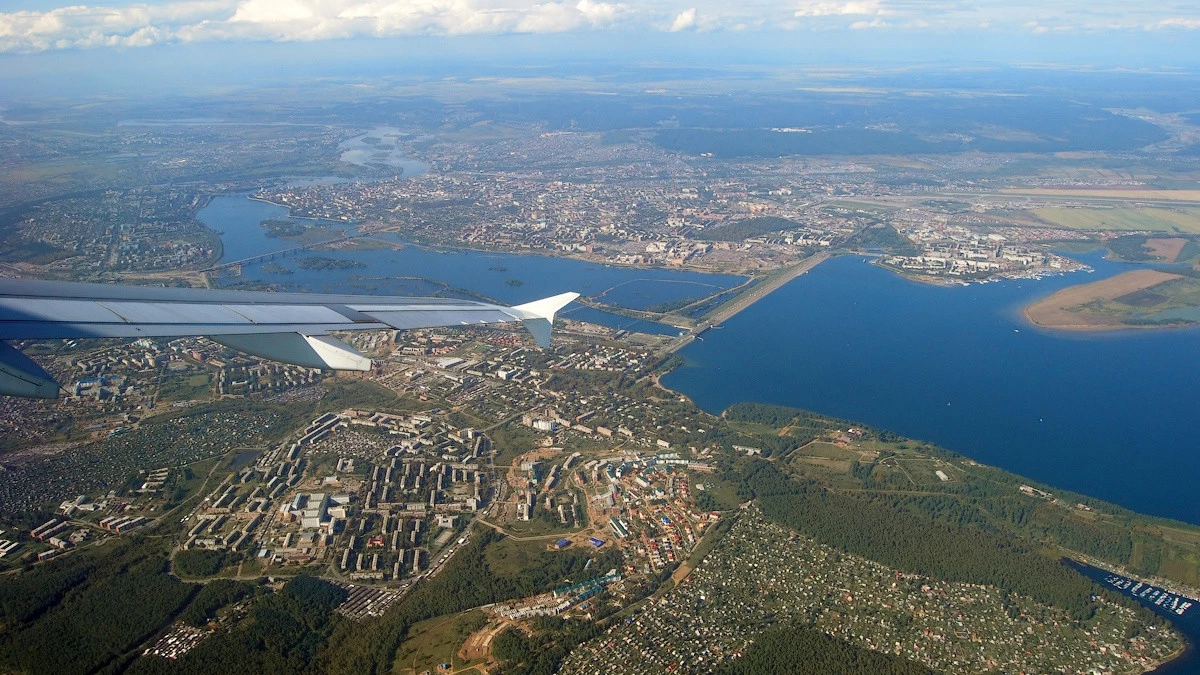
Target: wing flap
426 318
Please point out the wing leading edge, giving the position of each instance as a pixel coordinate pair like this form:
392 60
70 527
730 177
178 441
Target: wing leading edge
288 327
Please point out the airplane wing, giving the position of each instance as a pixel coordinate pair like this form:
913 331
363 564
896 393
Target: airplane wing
288 327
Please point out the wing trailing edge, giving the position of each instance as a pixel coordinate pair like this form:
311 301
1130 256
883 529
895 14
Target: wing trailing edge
288 327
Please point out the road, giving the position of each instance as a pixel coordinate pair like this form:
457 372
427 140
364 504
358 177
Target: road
728 310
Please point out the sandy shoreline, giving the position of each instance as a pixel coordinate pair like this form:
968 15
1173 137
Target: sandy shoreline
1053 312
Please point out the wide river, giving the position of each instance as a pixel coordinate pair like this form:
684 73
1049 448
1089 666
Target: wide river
416 270
1111 415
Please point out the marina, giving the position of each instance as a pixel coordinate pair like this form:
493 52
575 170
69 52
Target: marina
1159 597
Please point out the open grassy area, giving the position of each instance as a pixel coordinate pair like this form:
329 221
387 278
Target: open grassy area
435 642
509 556
924 471
1122 219
828 450
185 388
538 527
346 391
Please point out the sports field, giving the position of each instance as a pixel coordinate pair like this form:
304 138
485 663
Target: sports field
1183 221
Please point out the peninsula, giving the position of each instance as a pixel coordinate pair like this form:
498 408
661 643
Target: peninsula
1140 298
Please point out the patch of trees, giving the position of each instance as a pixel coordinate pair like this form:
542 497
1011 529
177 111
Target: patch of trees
280 229
212 597
799 650
543 652
318 262
199 562
884 237
1130 247
803 426
744 229
125 599
282 634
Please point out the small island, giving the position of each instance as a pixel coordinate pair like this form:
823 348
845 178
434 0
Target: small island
323 263
283 229
1141 298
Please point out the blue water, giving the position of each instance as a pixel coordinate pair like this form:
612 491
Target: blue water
1110 415
415 270
1188 624
239 220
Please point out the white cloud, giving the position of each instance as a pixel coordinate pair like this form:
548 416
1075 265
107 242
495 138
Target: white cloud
685 20
1179 22
144 22
873 23
855 7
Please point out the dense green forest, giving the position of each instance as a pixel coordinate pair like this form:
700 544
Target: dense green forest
281 634
542 652
799 650
744 229
199 562
85 612
914 542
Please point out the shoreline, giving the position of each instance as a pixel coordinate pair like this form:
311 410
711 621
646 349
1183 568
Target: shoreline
1054 312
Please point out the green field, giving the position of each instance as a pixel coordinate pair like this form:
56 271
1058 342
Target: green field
436 641
828 450
924 471
185 388
1183 221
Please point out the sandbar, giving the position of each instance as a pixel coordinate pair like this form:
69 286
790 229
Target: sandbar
1053 312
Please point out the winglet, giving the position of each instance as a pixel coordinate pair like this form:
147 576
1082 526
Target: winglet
538 316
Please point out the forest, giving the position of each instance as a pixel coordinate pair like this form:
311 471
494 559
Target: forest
799 650
85 613
744 229
916 541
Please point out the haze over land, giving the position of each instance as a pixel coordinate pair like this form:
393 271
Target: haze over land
744 196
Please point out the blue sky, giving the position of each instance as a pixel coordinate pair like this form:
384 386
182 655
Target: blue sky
108 47
1101 27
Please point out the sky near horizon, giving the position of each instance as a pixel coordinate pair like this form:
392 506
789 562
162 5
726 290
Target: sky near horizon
36 26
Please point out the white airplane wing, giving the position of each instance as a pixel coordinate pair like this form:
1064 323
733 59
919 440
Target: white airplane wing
288 327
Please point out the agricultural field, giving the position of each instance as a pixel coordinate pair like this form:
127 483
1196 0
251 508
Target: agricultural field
1184 221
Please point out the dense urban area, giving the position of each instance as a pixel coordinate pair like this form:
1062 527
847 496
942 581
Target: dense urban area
475 503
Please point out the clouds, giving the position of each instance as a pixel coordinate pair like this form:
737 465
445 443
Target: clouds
685 20
808 8
180 21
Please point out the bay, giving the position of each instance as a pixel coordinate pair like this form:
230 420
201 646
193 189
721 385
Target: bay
1111 415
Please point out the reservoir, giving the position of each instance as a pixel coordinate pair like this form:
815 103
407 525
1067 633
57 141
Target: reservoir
396 267
1111 415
